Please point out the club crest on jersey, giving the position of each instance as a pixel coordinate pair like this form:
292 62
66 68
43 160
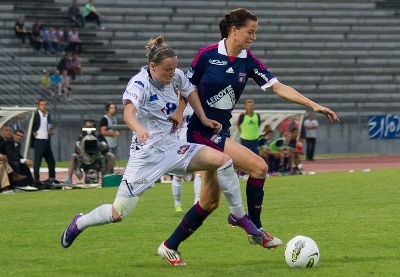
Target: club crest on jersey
242 77
183 149
216 139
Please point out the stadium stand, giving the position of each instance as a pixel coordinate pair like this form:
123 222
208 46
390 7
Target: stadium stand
343 54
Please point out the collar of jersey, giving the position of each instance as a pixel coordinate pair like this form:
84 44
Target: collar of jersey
153 82
222 50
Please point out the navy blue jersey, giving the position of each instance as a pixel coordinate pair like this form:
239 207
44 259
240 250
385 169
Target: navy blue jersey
220 81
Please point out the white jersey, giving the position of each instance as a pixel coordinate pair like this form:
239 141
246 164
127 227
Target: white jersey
163 153
155 102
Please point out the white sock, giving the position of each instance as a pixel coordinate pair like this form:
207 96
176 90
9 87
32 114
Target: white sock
229 183
176 187
99 216
197 187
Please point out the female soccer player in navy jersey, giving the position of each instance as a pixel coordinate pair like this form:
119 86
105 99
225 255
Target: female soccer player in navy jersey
152 104
220 72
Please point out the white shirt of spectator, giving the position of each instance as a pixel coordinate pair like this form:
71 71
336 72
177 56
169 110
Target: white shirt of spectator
43 131
311 133
153 101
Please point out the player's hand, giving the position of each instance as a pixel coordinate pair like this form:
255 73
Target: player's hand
142 135
177 121
327 112
212 124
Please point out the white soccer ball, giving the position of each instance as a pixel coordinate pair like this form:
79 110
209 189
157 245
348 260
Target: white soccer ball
302 251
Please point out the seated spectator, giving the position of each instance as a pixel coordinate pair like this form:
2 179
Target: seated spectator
264 143
20 30
37 33
90 14
59 35
66 86
76 66
75 44
7 176
50 41
45 84
6 133
72 165
12 150
280 157
296 150
65 64
74 15
56 80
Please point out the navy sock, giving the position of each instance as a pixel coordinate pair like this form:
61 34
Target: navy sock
189 224
255 196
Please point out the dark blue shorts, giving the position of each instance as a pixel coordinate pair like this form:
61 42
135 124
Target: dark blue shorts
216 141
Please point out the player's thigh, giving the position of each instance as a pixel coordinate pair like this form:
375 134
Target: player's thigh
245 159
207 158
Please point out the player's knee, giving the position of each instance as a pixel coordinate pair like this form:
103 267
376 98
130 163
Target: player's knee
209 205
260 169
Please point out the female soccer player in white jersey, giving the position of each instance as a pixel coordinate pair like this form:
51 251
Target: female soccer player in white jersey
151 106
176 184
220 73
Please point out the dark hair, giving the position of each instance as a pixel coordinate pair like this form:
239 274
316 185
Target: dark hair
108 105
237 18
157 50
40 100
19 131
294 129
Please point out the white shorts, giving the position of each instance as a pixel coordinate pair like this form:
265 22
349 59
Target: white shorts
146 166
182 133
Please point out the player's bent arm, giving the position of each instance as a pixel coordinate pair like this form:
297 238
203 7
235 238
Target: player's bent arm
132 122
194 101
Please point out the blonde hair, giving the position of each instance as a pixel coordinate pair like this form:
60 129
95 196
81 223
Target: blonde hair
157 50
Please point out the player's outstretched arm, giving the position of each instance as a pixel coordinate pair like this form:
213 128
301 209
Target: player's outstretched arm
293 95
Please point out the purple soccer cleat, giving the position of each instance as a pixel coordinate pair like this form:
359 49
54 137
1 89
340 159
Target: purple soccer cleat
71 233
245 223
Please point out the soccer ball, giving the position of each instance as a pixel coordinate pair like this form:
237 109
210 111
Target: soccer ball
302 251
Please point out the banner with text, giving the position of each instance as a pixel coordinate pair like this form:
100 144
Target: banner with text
384 126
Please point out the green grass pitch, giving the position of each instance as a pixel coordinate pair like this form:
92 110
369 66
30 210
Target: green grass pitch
354 218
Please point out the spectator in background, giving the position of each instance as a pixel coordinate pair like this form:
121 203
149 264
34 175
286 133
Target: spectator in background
51 42
248 124
280 155
45 84
6 133
76 66
42 130
56 80
90 14
106 127
74 15
12 150
59 35
20 30
296 151
66 86
65 64
75 44
264 144
37 33
310 126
